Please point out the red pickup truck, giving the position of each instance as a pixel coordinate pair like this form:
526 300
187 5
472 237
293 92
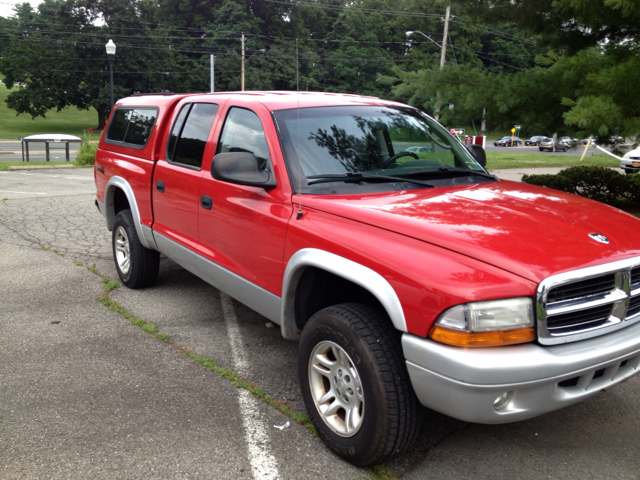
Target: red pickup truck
370 234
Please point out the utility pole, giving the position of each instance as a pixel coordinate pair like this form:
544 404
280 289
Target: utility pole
444 37
242 68
443 54
213 73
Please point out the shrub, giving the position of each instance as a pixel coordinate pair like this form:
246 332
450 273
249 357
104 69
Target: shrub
597 183
87 153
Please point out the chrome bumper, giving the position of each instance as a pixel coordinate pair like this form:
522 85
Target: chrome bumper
507 384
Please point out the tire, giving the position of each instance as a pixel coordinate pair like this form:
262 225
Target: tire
630 171
541 149
137 265
350 357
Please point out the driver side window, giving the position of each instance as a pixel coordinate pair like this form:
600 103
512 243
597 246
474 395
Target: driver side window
243 132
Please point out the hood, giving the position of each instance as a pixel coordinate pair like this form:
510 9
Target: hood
531 231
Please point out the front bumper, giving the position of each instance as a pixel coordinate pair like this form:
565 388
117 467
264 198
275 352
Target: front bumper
628 164
525 380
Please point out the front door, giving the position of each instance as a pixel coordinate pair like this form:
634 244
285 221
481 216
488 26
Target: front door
245 227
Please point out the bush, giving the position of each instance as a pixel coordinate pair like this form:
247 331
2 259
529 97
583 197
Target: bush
87 153
597 183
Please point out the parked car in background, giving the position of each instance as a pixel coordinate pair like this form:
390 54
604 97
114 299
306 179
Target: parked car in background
568 141
616 139
534 140
508 142
630 162
548 143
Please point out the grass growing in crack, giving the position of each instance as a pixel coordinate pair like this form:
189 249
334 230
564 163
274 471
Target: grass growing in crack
78 262
380 472
108 286
208 363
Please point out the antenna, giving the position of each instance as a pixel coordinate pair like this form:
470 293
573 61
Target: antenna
299 216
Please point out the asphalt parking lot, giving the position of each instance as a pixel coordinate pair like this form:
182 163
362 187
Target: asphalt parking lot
85 394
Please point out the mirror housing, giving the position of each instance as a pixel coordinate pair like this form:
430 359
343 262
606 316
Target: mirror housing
241 168
478 153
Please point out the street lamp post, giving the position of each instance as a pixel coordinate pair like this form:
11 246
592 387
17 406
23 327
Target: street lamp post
111 56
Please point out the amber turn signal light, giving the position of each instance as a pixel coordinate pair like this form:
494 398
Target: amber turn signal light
482 339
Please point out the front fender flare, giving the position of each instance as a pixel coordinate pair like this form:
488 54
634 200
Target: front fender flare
363 276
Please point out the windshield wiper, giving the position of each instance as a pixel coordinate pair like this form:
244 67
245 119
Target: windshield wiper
354 177
453 170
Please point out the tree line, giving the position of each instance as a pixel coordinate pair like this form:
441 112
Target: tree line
549 65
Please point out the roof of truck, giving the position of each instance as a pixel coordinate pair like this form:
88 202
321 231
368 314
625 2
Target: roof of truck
273 100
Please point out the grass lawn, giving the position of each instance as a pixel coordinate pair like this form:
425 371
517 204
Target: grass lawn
69 120
532 160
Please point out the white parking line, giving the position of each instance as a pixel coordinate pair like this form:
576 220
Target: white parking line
23 193
263 463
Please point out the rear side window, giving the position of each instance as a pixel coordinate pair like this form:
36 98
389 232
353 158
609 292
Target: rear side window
132 126
188 137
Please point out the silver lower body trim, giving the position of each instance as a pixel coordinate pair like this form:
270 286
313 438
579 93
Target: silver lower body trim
253 296
508 384
147 233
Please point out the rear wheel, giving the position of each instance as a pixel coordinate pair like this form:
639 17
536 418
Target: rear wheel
630 171
355 384
137 265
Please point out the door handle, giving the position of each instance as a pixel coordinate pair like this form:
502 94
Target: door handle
206 202
160 186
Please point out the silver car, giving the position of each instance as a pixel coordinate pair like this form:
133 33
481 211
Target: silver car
630 163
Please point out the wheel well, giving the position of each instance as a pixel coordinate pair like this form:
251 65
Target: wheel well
318 289
120 201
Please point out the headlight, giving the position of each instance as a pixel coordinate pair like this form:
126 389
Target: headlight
486 324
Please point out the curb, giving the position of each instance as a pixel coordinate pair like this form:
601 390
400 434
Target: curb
39 167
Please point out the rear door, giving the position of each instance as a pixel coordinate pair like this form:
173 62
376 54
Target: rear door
176 179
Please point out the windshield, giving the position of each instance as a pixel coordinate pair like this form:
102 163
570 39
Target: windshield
372 140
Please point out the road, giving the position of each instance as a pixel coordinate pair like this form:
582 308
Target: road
83 393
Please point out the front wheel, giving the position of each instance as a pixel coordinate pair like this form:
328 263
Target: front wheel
137 265
355 384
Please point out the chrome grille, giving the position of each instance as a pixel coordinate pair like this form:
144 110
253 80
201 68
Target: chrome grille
635 276
582 319
592 286
588 302
634 307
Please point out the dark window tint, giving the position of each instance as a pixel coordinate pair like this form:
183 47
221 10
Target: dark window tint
189 144
177 128
243 132
132 125
140 125
118 126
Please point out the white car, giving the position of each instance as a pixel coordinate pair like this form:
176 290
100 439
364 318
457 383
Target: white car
630 162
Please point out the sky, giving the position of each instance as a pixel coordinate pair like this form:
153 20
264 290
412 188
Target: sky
6 6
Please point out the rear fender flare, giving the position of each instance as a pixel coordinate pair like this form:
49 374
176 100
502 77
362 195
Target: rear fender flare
109 212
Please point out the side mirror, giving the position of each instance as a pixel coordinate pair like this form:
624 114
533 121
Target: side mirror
478 153
241 168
